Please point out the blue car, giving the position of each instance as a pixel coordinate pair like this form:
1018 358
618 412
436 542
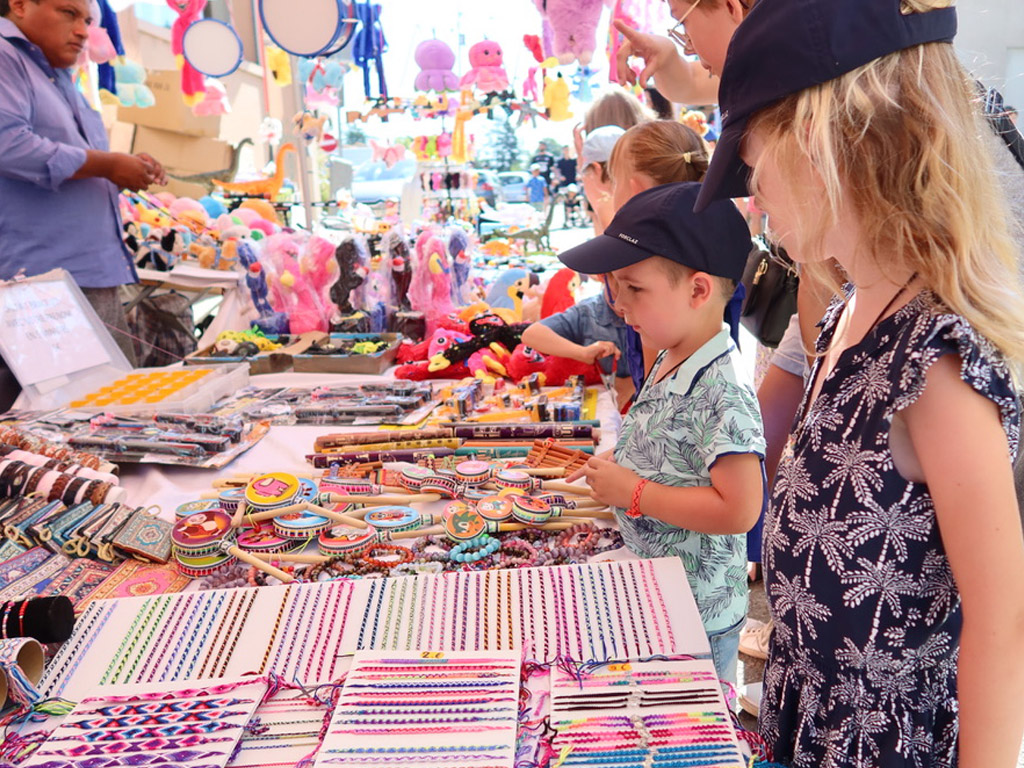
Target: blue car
513 185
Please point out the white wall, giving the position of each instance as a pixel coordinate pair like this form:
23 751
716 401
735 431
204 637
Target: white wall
990 42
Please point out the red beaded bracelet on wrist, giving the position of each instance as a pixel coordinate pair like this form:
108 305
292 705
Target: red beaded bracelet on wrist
634 507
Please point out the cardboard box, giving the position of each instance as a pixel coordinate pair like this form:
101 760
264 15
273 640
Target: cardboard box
265 362
181 154
370 364
181 189
170 113
121 136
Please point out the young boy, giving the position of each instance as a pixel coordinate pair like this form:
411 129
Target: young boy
537 188
686 474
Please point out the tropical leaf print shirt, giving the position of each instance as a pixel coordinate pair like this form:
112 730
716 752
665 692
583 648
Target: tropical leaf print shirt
674 433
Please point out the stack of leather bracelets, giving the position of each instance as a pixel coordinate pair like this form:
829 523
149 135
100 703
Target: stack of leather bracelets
16 439
76 485
434 554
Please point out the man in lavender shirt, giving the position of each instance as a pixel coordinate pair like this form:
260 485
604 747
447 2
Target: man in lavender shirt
59 183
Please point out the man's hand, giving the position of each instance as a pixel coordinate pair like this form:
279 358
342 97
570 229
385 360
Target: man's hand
609 483
134 172
656 51
591 353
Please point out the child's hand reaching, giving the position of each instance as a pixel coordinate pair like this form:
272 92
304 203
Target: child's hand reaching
591 353
609 483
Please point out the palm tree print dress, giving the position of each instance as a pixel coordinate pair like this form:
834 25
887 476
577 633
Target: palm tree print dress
863 661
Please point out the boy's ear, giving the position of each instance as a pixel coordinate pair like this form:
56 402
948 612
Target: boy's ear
702 287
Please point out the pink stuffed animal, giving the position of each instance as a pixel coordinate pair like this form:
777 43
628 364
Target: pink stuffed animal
573 27
320 268
430 289
435 60
290 291
487 72
192 85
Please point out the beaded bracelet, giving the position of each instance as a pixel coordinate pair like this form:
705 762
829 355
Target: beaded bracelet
481 546
404 554
586 531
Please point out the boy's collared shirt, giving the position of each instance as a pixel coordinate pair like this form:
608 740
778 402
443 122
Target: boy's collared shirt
675 432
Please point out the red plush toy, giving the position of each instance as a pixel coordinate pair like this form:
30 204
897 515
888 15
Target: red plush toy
556 370
416 357
560 293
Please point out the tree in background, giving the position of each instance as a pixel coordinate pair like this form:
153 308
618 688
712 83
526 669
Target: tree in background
501 150
354 134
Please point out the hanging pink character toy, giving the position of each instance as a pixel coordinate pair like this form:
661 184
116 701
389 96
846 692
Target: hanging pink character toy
192 85
487 73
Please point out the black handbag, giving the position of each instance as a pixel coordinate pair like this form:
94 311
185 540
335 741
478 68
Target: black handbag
771 281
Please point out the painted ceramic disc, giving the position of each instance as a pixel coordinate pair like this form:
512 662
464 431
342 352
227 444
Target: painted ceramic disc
473 472
261 540
342 541
201 530
192 507
531 511
300 525
274 490
465 525
413 477
511 478
394 519
495 508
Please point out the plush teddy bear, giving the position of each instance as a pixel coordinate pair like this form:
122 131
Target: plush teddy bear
487 72
435 60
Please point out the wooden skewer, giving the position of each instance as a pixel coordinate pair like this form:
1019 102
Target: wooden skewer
247 557
541 471
236 519
603 513
300 557
560 487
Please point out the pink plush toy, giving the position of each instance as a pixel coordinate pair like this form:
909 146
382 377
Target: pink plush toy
290 291
487 72
192 84
435 60
430 289
320 268
573 27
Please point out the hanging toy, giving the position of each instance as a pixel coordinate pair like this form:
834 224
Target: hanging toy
192 83
556 98
391 154
581 79
573 26
487 72
308 125
530 85
271 130
279 64
215 100
435 60
132 90
369 46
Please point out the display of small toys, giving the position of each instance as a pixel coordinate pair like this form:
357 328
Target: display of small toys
245 343
349 353
190 390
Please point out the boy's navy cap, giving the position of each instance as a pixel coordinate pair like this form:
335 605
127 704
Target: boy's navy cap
786 46
661 222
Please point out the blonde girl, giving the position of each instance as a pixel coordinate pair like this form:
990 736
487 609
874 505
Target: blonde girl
893 533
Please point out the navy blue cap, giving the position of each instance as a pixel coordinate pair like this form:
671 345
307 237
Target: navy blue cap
661 222
786 46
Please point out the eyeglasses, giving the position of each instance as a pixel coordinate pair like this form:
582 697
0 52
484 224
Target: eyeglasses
678 33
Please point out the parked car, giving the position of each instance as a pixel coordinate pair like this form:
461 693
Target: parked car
488 186
374 182
513 185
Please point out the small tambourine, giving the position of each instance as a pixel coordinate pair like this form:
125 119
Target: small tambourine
262 540
473 473
343 541
193 507
300 525
212 47
200 531
530 511
198 567
412 477
497 509
465 525
394 519
514 479
229 499
278 489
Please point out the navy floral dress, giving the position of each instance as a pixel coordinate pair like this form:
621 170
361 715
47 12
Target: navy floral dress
863 661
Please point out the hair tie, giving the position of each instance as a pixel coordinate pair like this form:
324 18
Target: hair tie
687 157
